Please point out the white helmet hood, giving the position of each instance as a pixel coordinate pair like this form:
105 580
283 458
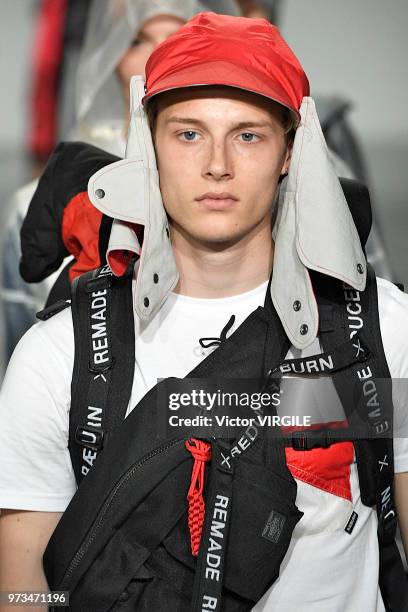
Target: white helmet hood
314 229
131 195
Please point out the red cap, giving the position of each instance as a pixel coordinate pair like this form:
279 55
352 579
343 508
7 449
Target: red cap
239 52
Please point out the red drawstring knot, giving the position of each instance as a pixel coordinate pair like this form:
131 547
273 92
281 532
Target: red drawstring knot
201 452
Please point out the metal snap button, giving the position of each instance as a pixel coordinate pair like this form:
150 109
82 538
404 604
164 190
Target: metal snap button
304 329
360 268
297 305
146 302
100 194
155 278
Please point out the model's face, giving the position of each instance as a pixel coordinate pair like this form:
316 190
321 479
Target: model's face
153 32
217 142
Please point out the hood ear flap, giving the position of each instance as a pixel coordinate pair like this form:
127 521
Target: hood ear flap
314 231
128 191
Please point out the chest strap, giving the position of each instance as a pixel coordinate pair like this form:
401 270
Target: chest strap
103 372
365 391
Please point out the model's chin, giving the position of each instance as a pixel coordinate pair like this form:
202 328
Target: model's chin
217 237
215 232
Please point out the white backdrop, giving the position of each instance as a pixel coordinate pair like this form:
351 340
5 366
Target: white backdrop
359 49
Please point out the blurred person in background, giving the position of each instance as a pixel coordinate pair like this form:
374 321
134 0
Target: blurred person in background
119 38
58 38
58 35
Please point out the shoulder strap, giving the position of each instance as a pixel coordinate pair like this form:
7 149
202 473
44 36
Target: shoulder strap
361 387
102 313
365 391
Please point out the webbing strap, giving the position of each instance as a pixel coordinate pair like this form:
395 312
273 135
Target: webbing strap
363 390
366 390
103 327
209 577
338 358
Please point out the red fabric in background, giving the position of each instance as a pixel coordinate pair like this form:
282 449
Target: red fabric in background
80 227
46 64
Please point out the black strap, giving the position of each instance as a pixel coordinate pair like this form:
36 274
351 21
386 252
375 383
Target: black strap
365 391
209 576
103 327
333 360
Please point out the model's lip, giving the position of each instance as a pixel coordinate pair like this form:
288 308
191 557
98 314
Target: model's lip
216 196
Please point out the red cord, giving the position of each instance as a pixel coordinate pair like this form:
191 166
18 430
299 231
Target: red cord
201 452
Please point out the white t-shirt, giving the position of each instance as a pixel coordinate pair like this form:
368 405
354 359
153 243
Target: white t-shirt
325 567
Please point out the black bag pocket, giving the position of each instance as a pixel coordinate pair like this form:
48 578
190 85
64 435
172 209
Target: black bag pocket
109 575
263 517
157 586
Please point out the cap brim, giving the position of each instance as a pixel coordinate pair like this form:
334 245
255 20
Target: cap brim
223 74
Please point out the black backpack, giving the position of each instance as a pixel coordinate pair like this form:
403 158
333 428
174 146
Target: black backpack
124 543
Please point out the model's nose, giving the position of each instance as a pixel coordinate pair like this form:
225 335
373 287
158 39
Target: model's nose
218 164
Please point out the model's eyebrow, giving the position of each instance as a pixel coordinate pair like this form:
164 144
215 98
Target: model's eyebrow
238 126
184 120
252 124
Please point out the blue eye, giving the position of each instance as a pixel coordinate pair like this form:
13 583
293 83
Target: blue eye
248 137
189 135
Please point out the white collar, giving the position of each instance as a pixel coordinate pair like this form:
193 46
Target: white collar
314 229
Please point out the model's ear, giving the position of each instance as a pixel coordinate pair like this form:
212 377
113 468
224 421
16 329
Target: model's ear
288 157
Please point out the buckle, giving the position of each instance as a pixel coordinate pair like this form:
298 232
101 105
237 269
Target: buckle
52 310
308 440
90 437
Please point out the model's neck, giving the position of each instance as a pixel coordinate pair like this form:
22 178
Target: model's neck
208 271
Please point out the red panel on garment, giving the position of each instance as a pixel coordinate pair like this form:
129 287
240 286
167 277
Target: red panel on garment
80 233
325 468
